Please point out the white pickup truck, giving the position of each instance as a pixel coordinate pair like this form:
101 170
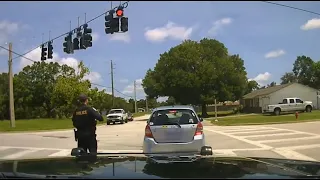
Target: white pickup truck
117 115
289 105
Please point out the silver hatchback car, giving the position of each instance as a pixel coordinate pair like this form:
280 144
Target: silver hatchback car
174 129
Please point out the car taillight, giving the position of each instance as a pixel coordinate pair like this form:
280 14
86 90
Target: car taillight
148 132
199 129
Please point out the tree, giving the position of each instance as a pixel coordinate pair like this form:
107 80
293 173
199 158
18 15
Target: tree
251 86
288 77
38 81
4 96
272 84
303 69
197 73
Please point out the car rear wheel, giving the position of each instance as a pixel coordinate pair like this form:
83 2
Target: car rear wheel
308 109
122 121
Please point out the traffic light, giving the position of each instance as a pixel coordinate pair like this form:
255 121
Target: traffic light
108 24
124 24
87 37
43 53
82 46
50 50
68 45
115 25
76 44
119 11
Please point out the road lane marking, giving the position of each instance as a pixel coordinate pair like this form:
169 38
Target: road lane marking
288 139
62 153
289 154
276 134
301 132
35 148
240 139
302 147
3 148
243 129
257 131
19 154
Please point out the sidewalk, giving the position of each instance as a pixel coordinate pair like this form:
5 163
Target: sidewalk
141 118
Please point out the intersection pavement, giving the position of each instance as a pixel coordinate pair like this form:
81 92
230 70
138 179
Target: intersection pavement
289 141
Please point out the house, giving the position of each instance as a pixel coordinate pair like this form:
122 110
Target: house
257 101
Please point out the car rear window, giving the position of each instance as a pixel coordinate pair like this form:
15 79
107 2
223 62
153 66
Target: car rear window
173 116
115 111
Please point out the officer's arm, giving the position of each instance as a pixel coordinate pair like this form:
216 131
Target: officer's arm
73 116
95 114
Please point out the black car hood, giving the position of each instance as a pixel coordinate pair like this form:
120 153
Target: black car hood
142 167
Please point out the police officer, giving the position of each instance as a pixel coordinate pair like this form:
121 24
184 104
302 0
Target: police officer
84 120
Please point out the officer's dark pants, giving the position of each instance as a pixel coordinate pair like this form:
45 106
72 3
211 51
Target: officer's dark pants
88 142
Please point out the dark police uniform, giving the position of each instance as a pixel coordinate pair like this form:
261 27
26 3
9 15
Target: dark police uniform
84 119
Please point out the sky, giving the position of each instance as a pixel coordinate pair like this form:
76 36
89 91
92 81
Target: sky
267 37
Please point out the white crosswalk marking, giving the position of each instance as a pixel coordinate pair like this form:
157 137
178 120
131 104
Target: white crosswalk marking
20 154
61 153
263 136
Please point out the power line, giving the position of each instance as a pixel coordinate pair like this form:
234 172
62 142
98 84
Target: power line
124 5
38 61
291 7
17 54
111 88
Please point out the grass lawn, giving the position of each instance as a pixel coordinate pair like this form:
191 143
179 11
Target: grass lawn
267 119
211 114
39 124
139 114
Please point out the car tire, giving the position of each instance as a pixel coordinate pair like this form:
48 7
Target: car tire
308 109
108 123
277 112
122 121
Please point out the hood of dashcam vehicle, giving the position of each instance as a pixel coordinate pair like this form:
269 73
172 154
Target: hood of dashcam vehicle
142 167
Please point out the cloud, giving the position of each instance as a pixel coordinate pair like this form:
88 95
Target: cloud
120 37
95 36
123 80
6 30
162 99
275 54
129 90
262 79
107 90
169 31
35 55
218 25
311 24
3 52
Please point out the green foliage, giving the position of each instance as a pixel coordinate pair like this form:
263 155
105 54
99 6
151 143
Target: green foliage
304 71
51 90
197 73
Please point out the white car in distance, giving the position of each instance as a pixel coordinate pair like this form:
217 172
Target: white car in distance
117 115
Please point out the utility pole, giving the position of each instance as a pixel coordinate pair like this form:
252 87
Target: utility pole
135 97
215 109
147 104
112 84
11 98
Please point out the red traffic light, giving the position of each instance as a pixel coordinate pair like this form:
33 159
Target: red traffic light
119 12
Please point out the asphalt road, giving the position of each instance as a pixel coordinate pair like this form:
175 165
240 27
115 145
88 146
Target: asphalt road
289 141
